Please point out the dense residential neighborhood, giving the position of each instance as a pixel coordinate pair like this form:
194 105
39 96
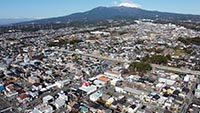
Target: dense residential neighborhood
101 70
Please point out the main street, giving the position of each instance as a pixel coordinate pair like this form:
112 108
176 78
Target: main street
161 67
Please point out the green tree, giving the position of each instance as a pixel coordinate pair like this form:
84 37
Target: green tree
156 59
168 56
140 67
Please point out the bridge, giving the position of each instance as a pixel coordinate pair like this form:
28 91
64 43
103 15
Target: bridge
155 66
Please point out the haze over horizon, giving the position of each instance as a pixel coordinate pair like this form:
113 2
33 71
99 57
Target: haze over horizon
53 8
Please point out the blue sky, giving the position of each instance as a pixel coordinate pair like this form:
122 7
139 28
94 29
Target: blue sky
53 8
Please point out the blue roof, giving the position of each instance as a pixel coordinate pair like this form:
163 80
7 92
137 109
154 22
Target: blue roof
2 88
83 108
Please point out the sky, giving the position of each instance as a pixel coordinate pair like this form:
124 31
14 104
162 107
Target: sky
55 8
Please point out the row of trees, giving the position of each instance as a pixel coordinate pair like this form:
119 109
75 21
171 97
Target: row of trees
145 66
157 59
187 41
63 42
140 67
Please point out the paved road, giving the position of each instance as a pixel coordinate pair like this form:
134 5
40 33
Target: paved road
187 71
189 99
5 103
175 69
101 57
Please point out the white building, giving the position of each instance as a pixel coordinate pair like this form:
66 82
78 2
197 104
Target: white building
99 83
43 108
167 81
59 103
47 99
197 91
60 84
113 75
95 96
186 78
88 89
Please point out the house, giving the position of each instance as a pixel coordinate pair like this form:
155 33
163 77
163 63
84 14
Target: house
11 94
159 86
114 81
22 98
99 83
84 109
3 67
179 100
117 69
162 100
33 94
47 99
63 96
167 81
37 86
185 90
95 96
119 89
187 78
76 108
108 111
60 84
197 91
174 76
167 90
105 97
134 77
132 108
110 101
103 78
43 108
113 75
133 91
118 105
88 89
33 79
59 103
2 87
11 91
176 92
168 102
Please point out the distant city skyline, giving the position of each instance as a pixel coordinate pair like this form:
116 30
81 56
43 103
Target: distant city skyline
54 8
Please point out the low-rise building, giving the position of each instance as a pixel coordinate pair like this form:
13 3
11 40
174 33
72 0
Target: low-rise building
95 96
43 108
47 99
88 89
59 103
33 79
197 91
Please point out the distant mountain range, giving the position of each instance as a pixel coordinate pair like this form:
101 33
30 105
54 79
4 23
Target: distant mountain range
6 21
104 16
116 13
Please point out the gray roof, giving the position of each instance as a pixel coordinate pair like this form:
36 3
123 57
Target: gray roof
134 91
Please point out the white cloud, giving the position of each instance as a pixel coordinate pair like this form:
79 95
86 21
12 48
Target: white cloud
115 2
129 4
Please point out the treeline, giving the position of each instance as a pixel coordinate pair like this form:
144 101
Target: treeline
140 67
157 59
64 42
145 65
30 27
187 41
